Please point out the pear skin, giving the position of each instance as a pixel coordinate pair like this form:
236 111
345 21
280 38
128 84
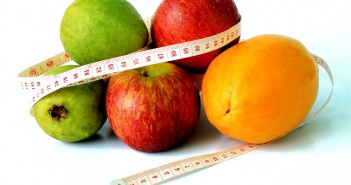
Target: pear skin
94 30
72 113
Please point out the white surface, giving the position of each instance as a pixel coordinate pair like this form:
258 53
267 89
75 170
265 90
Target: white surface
318 153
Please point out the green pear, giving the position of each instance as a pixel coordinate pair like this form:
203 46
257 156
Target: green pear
94 30
72 113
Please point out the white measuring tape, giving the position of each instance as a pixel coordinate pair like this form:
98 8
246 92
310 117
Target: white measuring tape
38 86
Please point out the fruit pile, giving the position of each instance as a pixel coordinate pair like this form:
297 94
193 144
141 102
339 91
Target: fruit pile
255 91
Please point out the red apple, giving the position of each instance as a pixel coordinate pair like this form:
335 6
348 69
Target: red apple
177 21
153 108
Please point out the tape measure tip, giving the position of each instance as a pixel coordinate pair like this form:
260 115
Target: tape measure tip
118 182
31 111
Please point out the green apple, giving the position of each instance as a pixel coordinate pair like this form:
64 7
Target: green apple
94 30
72 113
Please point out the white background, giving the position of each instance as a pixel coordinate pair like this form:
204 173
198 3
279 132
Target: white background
318 153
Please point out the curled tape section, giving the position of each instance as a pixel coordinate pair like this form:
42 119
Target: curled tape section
325 66
39 86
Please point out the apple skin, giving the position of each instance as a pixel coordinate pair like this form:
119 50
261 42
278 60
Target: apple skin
153 112
177 21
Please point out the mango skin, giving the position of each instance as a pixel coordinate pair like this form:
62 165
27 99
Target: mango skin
85 105
260 89
94 30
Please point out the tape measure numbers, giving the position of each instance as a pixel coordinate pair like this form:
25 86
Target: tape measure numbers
171 170
39 86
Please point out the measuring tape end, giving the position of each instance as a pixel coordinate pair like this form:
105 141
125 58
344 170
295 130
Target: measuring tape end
118 182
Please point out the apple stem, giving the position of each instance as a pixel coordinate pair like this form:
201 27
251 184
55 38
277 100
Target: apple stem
144 73
57 112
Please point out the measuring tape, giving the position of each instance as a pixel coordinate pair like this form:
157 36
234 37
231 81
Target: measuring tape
38 86
171 170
